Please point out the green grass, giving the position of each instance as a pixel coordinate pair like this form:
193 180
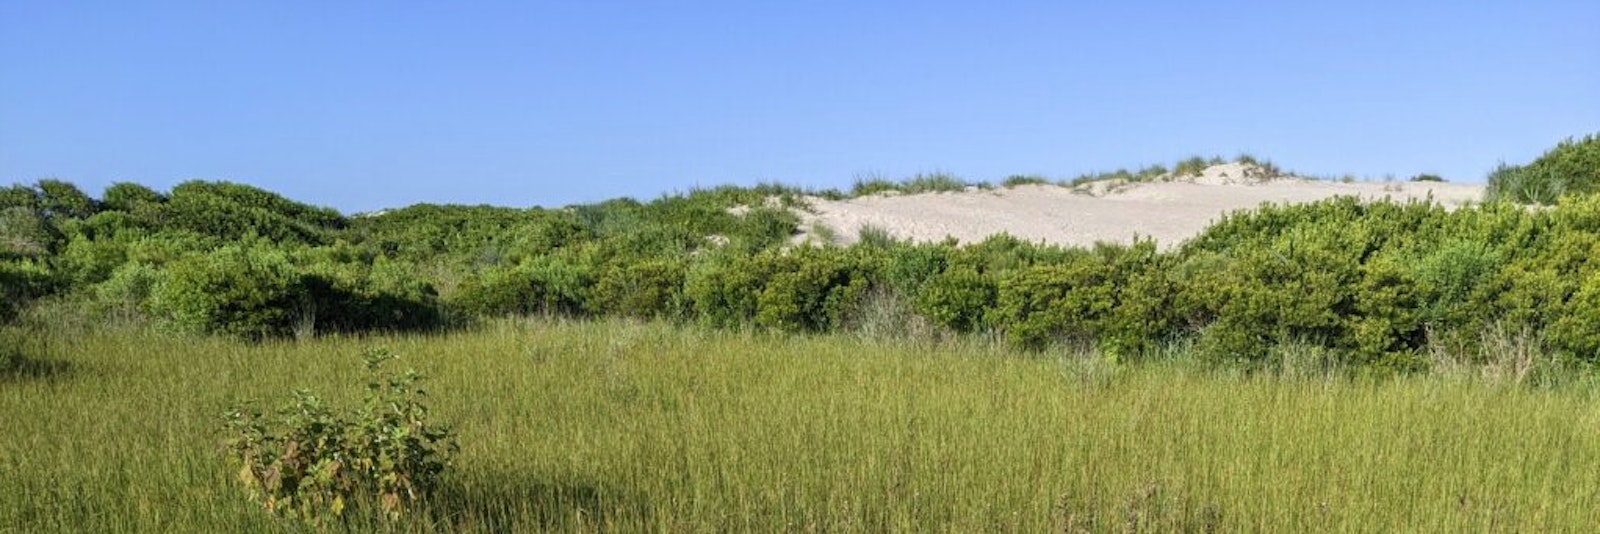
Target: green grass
625 426
921 183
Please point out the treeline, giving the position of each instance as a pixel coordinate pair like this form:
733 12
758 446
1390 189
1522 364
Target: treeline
1370 285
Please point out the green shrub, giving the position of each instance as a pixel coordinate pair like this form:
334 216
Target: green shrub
346 296
128 290
876 237
24 233
722 288
312 462
811 289
552 284
647 289
496 291
22 281
907 267
921 183
934 183
1524 185
1456 275
19 196
1571 167
958 299
249 290
235 211
60 199
803 289
129 197
1085 300
85 262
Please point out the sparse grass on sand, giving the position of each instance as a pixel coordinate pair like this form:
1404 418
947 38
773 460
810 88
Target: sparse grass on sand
650 427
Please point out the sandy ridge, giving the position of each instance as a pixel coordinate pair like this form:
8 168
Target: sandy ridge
1168 211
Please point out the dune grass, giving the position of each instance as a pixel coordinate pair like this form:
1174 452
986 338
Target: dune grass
579 426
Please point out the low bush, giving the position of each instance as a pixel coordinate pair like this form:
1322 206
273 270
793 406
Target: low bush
1571 167
248 290
312 462
647 289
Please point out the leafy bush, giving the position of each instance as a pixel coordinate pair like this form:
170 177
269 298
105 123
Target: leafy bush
128 290
552 284
812 289
24 233
58 199
236 211
807 288
1572 167
647 289
958 299
310 461
1080 300
21 282
249 290
129 197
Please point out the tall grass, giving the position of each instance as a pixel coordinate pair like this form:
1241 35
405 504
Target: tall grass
629 426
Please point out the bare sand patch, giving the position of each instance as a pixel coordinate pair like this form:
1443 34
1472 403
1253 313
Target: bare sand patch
1167 211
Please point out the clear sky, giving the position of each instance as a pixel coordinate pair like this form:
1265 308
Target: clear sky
361 105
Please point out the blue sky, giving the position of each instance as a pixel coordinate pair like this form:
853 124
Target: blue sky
361 105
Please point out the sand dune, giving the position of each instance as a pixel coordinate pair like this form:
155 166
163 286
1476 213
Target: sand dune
1168 211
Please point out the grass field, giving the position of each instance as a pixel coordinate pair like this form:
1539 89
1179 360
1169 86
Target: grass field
650 427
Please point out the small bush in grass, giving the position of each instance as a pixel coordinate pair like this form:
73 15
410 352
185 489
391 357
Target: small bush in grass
1427 178
310 461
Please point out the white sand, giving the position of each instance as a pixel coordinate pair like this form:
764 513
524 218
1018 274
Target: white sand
1168 211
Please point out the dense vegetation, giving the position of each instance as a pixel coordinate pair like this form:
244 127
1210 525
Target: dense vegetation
1572 167
1265 375
1370 286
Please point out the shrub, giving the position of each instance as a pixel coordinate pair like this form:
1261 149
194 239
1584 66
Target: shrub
647 289
21 282
249 290
24 233
958 299
1572 166
235 211
127 291
722 288
1427 178
551 284
84 261
1455 275
125 196
907 267
61 199
877 237
1089 299
1523 185
806 288
811 289
310 461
